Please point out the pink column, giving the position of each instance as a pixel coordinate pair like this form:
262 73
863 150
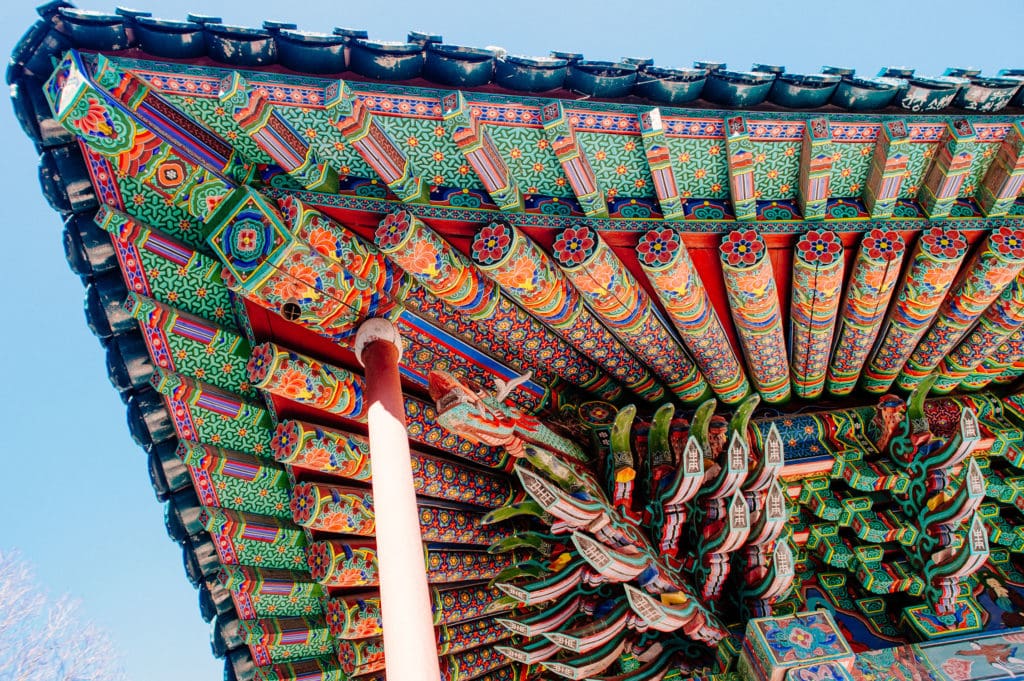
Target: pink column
409 645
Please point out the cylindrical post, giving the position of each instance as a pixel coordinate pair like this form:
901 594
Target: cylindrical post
410 648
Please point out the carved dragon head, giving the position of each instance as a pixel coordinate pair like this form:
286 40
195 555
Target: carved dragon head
471 412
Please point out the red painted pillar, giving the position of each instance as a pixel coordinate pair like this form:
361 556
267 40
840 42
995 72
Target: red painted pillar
409 645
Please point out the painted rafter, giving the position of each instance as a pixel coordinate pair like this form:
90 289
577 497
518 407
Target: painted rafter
184 135
888 164
312 271
991 269
665 260
740 155
617 299
252 110
872 281
184 174
949 169
529 276
481 153
575 162
933 268
754 303
372 142
817 290
815 169
1005 177
998 323
659 161
453 278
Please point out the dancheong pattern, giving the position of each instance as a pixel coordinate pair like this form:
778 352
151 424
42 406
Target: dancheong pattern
573 280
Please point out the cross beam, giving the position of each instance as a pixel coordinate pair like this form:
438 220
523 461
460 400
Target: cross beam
574 160
815 169
372 142
887 167
739 152
1005 176
481 153
949 169
659 160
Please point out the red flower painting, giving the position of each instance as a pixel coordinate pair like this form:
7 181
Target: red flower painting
742 248
490 243
1008 242
658 247
947 244
882 244
573 246
821 247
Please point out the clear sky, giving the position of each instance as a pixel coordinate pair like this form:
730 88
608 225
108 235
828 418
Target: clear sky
75 495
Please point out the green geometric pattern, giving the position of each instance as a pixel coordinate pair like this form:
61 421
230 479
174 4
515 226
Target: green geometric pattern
209 112
530 160
850 170
299 651
252 437
920 158
430 149
214 363
287 552
776 169
189 290
331 148
619 163
984 155
153 210
273 605
252 497
701 167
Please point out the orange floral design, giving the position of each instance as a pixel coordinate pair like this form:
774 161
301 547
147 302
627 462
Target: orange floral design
520 275
423 259
601 280
287 288
317 458
676 281
323 242
293 384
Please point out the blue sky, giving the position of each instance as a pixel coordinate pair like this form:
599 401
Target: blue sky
75 495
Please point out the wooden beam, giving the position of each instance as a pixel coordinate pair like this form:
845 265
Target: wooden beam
659 160
740 155
574 160
373 143
815 169
887 167
252 110
949 169
481 153
1004 178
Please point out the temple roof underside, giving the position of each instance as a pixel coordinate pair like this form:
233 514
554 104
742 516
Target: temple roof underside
834 263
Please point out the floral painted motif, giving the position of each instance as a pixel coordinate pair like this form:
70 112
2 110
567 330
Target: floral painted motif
657 247
948 244
816 292
993 266
529 277
819 247
934 265
958 669
491 243
881 244
573 246
742 247
667 264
